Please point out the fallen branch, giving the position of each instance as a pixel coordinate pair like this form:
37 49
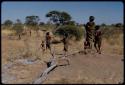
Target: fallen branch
43 77
51 65
70 54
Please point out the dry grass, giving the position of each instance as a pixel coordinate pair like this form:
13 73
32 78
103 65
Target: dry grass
7 32
28 48
113 38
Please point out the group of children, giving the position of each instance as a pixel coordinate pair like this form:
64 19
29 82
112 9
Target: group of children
93 34
47 44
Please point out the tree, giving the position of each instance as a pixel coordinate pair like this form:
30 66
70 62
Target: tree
58 17
54 16
103 24
65 17
118 25
70 23
41 23
18 28
32 22
8 22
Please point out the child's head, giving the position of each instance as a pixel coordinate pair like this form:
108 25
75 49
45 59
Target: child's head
91 18
42 41
47 33
97 27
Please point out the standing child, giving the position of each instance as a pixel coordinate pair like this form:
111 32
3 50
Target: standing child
65 43
48 41
86 46
98 39
43 46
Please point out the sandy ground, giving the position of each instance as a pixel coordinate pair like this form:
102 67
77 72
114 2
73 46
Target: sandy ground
86 69
89 69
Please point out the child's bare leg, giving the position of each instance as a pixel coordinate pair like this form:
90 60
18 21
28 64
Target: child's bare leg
65 57
68 61
95 47
85 51
50 50
43 50
99 47
64 54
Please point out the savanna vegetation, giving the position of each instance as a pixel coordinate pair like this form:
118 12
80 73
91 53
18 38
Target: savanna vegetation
21 40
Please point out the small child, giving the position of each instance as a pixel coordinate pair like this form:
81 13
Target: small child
43 46
86 46
65 42
98 39
48 41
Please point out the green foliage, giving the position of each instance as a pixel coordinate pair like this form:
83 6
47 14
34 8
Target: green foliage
58 17
71 30
64 17
32 22
70 23
41 23
8 23
118 25
53 16
103 25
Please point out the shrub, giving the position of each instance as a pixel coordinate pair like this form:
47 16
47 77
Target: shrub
71 30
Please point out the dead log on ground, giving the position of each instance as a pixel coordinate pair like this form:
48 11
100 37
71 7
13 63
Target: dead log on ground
51 65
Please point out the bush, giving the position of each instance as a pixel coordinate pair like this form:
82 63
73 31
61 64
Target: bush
71 30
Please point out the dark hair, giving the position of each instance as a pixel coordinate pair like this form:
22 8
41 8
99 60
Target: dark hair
97 27
47 33
91 18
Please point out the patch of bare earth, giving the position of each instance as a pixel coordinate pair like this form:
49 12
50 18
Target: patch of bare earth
89 69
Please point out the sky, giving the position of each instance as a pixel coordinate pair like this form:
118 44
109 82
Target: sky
104 12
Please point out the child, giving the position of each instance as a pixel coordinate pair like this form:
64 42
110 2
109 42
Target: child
65 42
48 41
98 39
43 46
86 46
